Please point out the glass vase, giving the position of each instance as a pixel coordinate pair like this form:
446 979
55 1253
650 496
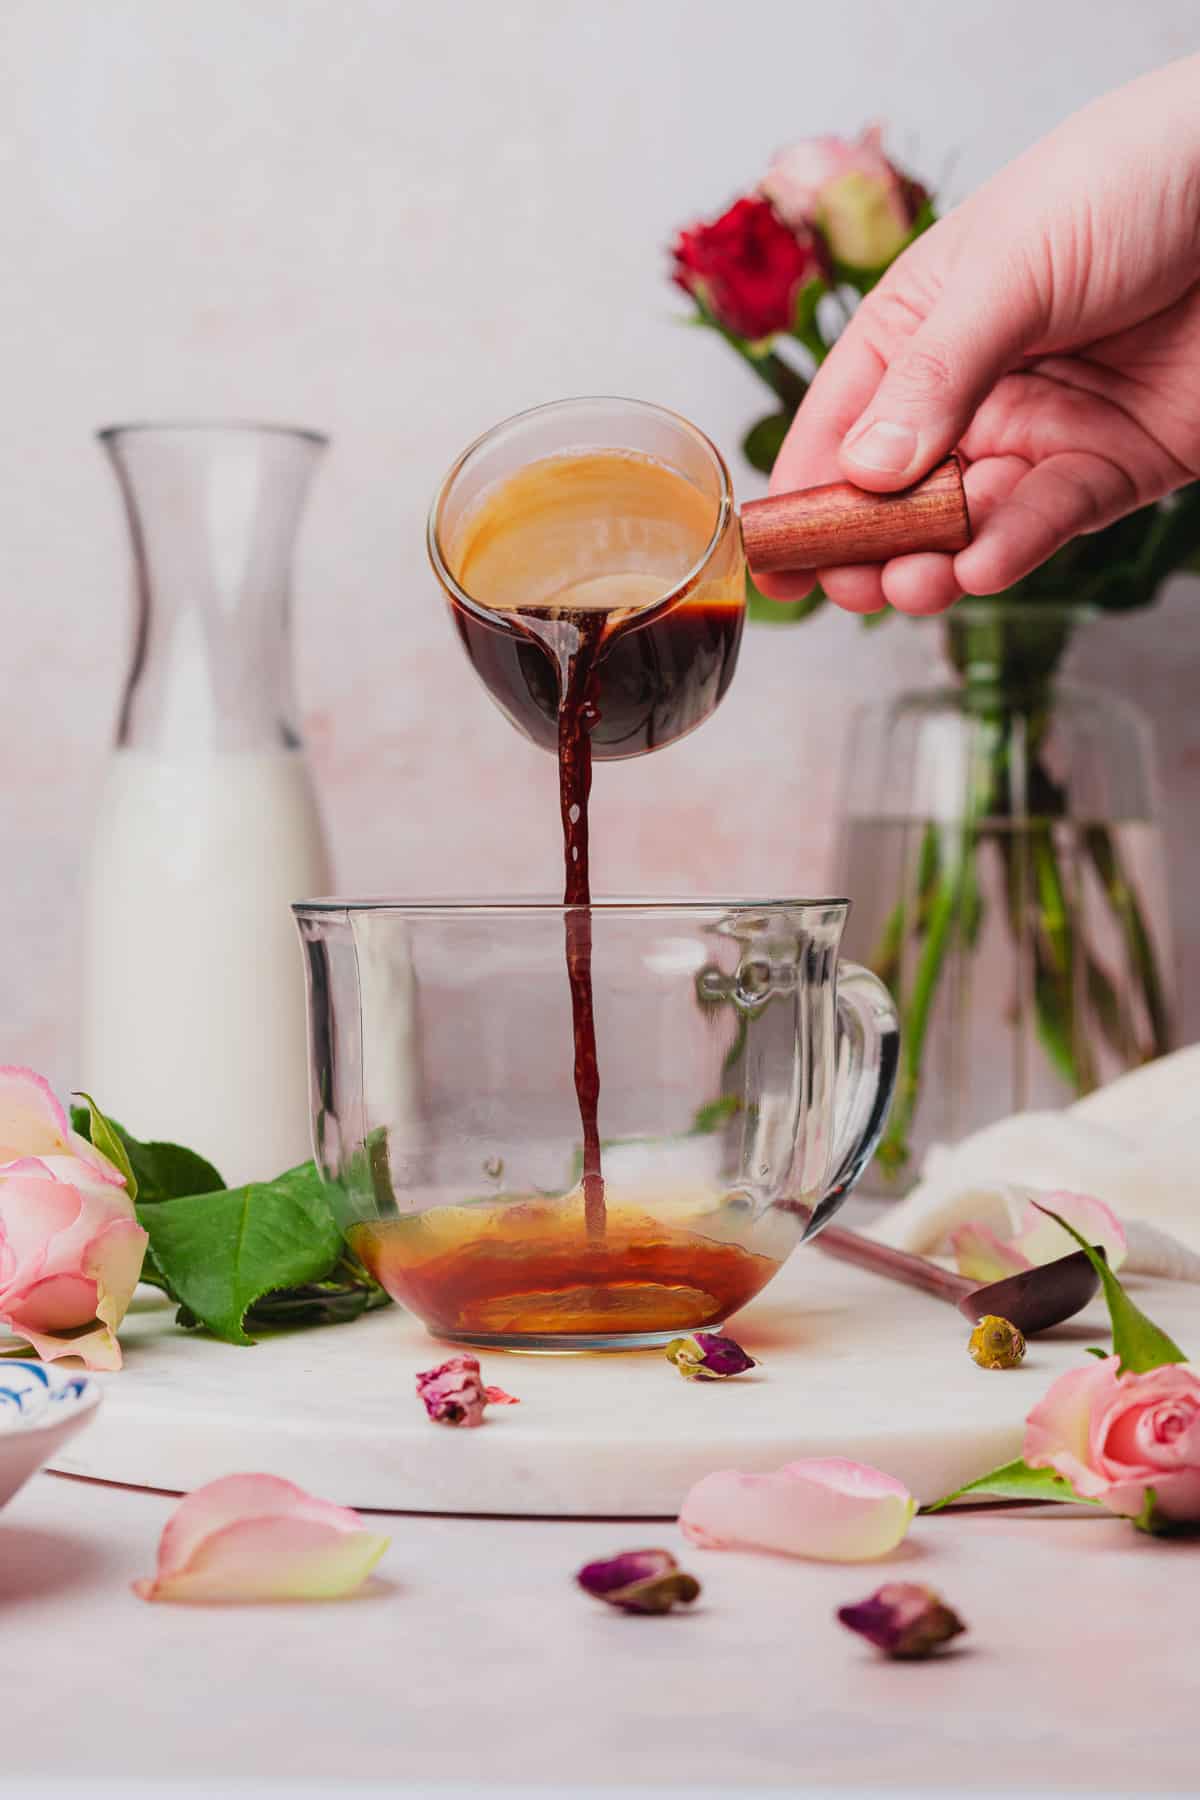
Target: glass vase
1000 840
207 826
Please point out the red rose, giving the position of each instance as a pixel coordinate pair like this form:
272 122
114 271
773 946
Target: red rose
747 266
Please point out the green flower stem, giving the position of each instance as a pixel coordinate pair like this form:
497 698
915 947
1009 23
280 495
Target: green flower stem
945 910
785 383
1055 954
886 959
1124 902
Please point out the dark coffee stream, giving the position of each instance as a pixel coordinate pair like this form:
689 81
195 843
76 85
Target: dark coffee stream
599 682
577 714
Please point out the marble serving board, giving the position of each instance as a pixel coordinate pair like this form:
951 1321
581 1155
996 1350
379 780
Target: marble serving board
850 1366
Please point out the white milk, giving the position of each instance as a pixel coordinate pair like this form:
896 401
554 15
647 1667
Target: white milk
194 1026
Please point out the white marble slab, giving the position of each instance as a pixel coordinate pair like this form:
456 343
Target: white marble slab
851 1366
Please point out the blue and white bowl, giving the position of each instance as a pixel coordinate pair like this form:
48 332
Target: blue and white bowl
40 1408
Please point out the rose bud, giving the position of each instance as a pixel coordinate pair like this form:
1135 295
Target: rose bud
995 1344
747 267
454 1393
861 203
640 1581
707 1357
903 1620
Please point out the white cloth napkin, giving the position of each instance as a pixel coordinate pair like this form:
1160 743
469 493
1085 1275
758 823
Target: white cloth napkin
1134 1144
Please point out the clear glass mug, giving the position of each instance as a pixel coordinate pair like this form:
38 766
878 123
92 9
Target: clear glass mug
745 1079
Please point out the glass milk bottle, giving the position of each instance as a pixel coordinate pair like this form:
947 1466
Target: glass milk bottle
207 827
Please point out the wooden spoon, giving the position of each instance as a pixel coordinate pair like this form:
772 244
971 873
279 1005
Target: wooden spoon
1033 1301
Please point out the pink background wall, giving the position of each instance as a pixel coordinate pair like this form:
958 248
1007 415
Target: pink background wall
402 226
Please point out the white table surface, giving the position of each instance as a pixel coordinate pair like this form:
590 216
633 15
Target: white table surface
474 1666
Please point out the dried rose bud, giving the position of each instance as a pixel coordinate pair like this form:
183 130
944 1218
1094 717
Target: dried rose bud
706 1357
995 1344
640 1581
454 1393
903 1620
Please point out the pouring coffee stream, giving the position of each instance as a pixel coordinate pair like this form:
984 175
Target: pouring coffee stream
600 595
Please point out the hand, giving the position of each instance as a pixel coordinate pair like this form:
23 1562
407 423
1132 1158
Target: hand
1050 328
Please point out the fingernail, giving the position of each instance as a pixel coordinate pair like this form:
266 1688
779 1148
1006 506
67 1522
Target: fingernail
890 448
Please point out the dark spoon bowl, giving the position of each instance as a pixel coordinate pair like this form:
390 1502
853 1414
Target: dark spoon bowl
1037 1298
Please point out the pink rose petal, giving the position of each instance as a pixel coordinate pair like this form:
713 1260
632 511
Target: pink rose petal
826 1508
1040 1240
96 1349
34 1123
1033 1239
982 1256
257 1537
31 1116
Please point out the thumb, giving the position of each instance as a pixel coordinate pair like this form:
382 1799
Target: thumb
935 378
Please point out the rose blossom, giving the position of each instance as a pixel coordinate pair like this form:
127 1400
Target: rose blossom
454 1392
71 1248
1113 1436
747 267
862 204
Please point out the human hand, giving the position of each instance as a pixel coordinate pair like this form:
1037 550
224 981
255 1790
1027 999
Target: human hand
1050 329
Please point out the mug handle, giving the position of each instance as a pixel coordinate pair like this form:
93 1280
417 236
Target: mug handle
868 1056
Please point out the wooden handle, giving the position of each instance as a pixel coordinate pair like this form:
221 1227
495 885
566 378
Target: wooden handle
895 1265
820 527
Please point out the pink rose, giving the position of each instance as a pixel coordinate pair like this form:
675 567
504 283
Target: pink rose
71 1248
863 205
1113 1436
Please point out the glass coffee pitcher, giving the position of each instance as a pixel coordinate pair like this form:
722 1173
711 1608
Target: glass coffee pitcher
207 827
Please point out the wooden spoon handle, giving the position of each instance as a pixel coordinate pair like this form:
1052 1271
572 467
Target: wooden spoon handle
817 528
896 1265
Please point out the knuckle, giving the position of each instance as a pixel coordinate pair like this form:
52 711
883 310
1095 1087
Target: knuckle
924 371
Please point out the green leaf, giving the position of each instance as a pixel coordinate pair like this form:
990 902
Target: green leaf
102 1134
1094 1350
1017 1481
169 1171
762 611
347 1295
222 1252
716 1113
1145 1520
161 1171
1137 1340
1151 1521
764 440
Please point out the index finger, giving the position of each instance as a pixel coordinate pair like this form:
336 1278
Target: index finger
841 388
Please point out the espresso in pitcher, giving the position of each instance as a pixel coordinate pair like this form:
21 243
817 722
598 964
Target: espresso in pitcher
569 551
